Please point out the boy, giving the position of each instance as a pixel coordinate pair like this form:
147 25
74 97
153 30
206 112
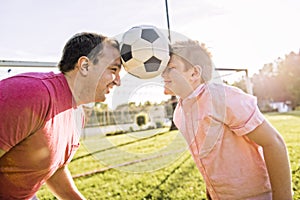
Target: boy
239 153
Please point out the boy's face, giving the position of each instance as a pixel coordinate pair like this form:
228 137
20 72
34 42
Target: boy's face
177 79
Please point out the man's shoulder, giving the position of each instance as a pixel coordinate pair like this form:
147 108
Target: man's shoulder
30 82
25 87
23 78
37 75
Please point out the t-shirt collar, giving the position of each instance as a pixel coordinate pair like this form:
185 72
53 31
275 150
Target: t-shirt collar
194 94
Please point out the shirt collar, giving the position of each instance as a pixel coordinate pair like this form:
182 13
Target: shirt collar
194 94
196 91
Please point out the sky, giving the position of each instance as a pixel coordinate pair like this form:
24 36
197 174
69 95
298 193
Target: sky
238 33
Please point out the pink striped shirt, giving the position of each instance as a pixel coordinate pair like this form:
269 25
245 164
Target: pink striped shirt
215 120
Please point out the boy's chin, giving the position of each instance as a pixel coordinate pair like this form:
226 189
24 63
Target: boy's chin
168 92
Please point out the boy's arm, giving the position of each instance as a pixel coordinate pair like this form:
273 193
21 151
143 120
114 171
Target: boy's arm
2 152
62 185
276 157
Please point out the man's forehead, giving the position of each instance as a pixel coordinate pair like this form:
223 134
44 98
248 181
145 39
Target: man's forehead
110 51
110 47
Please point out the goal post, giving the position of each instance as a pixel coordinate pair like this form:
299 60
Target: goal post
247 79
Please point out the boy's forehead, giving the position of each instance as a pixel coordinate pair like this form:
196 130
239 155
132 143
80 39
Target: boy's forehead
180 63
179 58
175 57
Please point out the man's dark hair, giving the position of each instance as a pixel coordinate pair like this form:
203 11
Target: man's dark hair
83 44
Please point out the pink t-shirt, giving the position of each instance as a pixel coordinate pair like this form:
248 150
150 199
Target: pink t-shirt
215 120
39 128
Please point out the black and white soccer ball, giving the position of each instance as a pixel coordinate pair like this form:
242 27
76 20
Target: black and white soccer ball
144 51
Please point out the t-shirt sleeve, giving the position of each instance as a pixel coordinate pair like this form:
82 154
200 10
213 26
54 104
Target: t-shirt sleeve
242 112
24 102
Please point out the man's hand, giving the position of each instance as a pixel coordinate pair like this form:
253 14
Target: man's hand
63 186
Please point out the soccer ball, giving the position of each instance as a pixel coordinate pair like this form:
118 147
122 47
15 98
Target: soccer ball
144 51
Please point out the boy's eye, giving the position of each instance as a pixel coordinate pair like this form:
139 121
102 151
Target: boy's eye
114 69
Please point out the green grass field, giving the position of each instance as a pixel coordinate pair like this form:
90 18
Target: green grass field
157 166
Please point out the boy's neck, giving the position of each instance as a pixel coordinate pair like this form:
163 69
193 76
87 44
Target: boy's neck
191 92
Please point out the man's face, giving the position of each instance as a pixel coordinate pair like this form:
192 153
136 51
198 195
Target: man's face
106 72
176 78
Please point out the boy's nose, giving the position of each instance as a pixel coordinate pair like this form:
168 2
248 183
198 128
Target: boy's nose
163 74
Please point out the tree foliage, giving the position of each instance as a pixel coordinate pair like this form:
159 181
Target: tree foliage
278 81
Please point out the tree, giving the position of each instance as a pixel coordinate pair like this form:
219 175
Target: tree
289 76
263 83
278 81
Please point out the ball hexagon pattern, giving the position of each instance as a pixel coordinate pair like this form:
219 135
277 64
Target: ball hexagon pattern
144 51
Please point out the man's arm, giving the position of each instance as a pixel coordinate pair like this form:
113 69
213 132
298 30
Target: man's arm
276 157
62 185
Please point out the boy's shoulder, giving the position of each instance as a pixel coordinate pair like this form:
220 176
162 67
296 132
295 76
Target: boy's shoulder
221 88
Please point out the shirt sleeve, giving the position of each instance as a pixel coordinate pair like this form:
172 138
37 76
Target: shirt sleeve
242 112
24 102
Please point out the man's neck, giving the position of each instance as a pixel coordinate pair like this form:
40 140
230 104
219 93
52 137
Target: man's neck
70 77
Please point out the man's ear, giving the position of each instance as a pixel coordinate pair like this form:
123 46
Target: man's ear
83 65
197 72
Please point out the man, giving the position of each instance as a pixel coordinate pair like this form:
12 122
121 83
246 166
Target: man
41 117
238 152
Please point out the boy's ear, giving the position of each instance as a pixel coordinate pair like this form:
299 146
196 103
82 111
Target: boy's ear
197 72
83 65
